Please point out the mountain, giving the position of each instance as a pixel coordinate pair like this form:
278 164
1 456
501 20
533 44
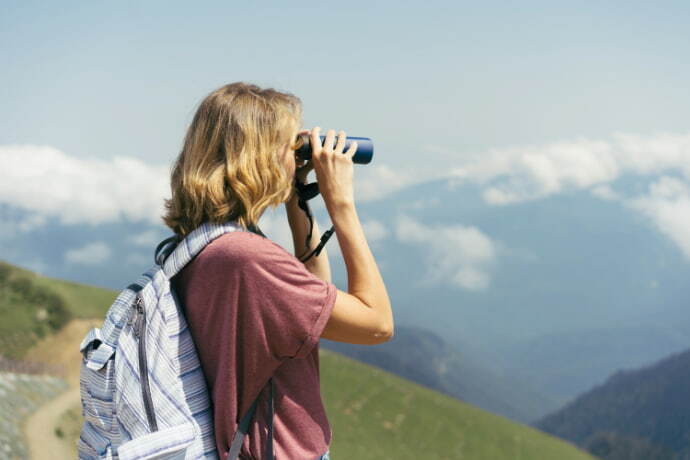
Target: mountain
579 286
423 357
646 410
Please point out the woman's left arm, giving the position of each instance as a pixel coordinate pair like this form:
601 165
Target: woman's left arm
299 224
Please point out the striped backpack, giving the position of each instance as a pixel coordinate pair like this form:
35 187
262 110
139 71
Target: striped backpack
143 392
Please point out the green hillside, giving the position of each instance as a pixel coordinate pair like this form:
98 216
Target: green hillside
420 355
373 414
34 306
377 415
82 300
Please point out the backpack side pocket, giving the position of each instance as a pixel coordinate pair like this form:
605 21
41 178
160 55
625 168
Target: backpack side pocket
93 446
97 383
167 443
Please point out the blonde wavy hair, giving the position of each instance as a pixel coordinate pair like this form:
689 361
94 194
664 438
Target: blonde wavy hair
229 167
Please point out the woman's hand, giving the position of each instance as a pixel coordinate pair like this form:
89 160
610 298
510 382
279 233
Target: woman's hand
333 168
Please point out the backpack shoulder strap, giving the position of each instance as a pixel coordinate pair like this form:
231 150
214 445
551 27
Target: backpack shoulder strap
174 253
243 428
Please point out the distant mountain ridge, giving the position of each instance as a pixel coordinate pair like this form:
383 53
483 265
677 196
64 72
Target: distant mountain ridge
571 270
647 407
421 356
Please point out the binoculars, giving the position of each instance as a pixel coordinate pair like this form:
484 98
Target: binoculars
363 155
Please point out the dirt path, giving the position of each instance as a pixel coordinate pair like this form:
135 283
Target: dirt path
40 427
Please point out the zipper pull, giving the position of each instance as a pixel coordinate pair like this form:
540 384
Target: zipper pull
139 313
132 313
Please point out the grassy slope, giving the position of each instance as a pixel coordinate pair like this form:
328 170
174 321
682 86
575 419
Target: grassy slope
33 307
83 301
373 414
377 415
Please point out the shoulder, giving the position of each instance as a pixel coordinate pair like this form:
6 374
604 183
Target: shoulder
246 246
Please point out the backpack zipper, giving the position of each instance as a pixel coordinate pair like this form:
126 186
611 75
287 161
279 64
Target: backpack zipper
140 334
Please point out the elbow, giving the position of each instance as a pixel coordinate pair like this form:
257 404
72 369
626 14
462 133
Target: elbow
385 333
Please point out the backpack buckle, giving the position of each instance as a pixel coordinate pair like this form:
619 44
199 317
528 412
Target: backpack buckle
101 350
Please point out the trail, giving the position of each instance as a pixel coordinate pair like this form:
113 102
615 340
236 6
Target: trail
39 429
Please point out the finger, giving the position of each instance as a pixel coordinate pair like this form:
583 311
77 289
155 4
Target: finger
341 142
315 142
328 142
351 150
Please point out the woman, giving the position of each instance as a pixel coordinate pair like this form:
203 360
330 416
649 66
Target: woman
255 311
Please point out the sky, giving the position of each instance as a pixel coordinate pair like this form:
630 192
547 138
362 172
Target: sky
530 98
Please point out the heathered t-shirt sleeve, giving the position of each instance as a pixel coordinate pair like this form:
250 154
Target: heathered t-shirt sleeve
287 306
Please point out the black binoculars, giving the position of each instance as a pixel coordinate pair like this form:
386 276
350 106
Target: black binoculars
363 155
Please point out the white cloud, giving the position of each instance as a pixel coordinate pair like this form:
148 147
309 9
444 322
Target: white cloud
275 225
31 222
605 192
90 254
48 182
461 255
377 181
517 174
11 226
36 265
534 171
140 260
374 230
422 203
668 205
149 238
335 256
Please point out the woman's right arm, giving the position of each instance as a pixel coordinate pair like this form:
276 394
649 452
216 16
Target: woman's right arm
363 314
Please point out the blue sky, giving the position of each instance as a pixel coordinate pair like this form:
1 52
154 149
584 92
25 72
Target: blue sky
99 80
528 99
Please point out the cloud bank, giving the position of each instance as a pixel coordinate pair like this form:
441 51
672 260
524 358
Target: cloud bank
90 254
668 205
457 254
48 182
518 174
529 172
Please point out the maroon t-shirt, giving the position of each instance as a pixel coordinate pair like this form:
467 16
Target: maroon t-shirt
254 312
